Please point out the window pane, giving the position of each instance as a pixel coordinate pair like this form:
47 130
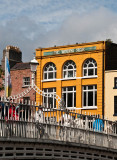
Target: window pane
45 90
48 98
45 101
45 75
74 99
68 94
26 81
90 95
64 89
64 97
65 67
50 102
115 105
84 99
115 82
54 103
96 98
85 65
90 65
70 73
90 72
74 73
45 69
70 67
90 87
50 75
50 69
54 75
84 87
65 74
70 99
90 98
85 72
50 89
96 71
70 88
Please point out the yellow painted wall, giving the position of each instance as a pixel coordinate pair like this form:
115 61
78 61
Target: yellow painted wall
78 58
109 94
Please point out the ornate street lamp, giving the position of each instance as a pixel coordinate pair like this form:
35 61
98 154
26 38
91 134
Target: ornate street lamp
33 64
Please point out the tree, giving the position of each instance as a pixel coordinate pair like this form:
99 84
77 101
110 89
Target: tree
109 40
1 79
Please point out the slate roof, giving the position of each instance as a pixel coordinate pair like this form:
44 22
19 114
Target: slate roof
21 66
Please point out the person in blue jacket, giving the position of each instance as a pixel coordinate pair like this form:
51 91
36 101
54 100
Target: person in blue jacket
98 125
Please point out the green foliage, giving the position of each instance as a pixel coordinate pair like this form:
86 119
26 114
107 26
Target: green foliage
1 77
1 72
109 40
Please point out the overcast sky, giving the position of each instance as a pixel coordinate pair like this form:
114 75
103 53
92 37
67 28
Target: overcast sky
29 24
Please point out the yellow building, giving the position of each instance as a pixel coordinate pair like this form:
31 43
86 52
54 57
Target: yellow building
111 94
76 73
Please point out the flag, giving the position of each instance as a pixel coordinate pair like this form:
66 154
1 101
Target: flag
8 86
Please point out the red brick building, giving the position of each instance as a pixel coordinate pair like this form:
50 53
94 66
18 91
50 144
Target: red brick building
20 73
21 80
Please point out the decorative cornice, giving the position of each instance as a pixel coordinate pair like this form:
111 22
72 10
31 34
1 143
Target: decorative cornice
66 46
69 54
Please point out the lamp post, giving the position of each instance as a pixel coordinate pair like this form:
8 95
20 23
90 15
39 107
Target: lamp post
33 64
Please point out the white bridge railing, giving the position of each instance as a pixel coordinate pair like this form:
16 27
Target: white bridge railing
36 122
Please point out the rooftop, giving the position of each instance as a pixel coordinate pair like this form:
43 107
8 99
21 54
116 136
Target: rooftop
21 66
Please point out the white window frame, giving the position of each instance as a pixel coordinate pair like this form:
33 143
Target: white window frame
47 95
47 72
67 70
73 91
26 81
87 68
87 90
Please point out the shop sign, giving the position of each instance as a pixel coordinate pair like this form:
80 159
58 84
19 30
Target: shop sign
70 51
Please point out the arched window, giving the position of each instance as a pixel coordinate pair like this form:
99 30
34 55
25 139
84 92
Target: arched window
49 71
90 67
69 69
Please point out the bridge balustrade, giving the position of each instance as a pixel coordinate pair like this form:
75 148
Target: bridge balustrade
26 121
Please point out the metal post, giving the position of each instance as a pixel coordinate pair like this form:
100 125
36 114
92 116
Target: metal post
33 78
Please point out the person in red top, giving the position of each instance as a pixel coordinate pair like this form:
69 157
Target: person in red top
12 112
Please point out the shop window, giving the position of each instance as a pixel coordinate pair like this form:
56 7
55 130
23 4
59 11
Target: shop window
69 69
90 96
69 96
26 81
49 100
115 105
49 71
90 67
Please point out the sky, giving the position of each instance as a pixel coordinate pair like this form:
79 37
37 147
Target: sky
30 24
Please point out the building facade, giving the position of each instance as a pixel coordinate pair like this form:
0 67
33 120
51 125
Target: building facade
75 73
111 94
21 80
